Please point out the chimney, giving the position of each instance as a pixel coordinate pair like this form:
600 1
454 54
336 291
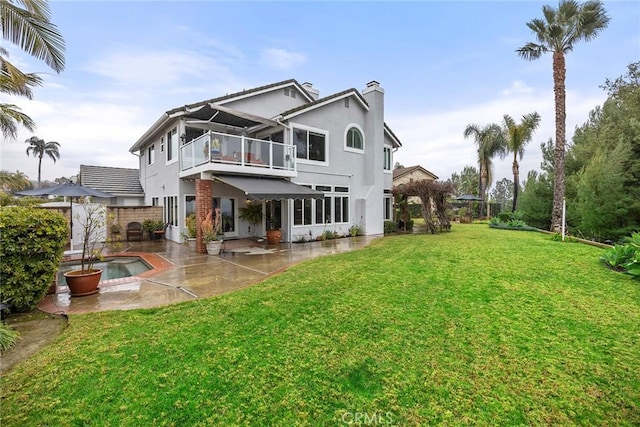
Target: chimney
314 93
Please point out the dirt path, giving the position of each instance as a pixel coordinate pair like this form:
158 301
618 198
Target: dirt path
36 329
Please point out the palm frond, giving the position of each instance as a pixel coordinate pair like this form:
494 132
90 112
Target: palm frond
32 31
10 117
15 82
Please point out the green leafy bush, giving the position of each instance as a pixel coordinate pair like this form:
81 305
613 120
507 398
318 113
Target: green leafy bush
503 217
8 337
31 246
618 256
625 257
390 227
355 230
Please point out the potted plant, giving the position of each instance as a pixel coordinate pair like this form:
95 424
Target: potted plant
152 226
190 236
85 281
274 234
210 227
251 213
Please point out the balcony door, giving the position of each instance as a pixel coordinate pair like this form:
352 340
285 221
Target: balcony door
229 210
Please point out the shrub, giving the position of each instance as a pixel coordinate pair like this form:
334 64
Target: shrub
31 246
8 337
390 227
618 256
625 257
355 230
504 217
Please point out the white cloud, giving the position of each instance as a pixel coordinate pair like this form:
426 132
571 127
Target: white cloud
282 59
517 87
434 139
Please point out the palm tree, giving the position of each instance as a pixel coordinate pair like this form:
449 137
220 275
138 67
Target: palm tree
490 141
517 136
558 33
39 148
26 23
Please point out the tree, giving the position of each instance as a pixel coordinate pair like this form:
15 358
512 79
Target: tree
398 165
465 182
30 28
603 164
503 192
39 148
517 137
490 142
14 181
537 199
558 33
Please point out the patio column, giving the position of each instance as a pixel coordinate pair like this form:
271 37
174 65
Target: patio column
203 205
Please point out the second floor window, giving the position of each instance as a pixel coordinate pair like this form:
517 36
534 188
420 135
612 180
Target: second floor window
354 139
387 158
172 145
151 154
310 145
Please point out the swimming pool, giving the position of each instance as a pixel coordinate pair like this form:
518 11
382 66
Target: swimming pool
112 268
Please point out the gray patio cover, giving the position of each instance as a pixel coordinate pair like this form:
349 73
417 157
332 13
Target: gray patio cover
270 188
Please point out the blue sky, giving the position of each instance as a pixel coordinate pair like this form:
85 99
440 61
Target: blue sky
442 65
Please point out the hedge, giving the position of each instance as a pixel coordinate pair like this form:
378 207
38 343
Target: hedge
31 245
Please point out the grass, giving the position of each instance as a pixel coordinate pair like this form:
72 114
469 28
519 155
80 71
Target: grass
476 326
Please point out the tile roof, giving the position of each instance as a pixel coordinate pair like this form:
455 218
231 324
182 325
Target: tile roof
117 181
398 172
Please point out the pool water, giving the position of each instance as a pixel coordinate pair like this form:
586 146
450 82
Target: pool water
112 268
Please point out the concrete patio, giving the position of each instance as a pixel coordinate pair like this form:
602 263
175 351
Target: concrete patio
183 274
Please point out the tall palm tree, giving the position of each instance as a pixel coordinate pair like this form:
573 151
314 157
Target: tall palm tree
490 142
39 148
558 33
27 24
517 136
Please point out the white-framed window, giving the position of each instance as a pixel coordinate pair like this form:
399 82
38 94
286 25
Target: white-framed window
151 154
324 213
171 210
387 158
354 138
172 145
341 204
311 144
388 208
302 209
155 201
162 144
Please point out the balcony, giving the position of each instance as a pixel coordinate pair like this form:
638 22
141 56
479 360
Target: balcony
224 153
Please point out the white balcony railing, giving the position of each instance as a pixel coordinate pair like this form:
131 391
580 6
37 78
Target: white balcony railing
214 147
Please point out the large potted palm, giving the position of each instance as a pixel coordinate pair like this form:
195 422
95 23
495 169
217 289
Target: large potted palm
85 281
211 237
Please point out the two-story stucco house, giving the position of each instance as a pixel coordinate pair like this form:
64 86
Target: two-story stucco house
313 163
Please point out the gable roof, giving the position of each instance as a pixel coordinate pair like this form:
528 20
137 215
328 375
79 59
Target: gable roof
324 101
392 136
400 172
117 181
221 100
244 94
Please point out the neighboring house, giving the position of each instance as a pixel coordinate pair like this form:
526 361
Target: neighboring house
314 163
410 174
123 183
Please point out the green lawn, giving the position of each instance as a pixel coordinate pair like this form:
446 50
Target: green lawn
477 326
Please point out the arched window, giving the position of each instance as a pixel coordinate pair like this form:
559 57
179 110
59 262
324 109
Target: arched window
354 139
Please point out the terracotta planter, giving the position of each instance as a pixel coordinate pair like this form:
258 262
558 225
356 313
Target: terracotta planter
213 248
82 284
274 236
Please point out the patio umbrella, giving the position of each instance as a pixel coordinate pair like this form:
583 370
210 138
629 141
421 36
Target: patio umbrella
469 198
71 190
